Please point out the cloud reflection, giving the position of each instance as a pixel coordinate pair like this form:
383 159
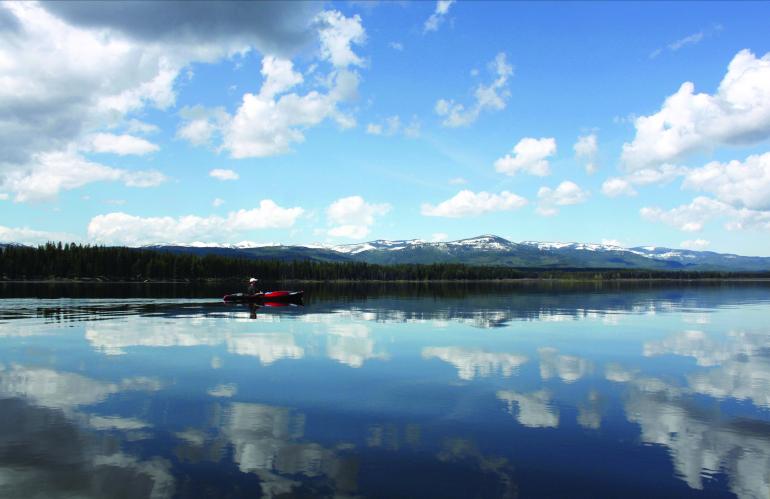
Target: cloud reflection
568 368
473 362
534 409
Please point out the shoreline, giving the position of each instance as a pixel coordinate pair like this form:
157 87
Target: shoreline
379 281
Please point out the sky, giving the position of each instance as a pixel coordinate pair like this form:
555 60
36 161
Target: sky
338 122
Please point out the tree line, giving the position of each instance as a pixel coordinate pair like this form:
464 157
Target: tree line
75 261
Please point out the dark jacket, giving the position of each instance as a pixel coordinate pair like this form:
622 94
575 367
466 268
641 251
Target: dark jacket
253 288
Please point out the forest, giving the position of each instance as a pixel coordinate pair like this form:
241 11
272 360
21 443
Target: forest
109 263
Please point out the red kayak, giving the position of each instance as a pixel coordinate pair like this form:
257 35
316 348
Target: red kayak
267 296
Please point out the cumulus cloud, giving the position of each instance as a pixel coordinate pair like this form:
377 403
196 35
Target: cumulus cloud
119 144
79 71
338 33
737 114
468 203
618 186
688 218
137 126
223 174
692 217
529 156
122 228
269 122
50 173
352 217
586 148
614 187
566 193
437 17
492 97
741 184
217 202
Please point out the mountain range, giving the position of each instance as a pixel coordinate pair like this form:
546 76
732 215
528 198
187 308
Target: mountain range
492 250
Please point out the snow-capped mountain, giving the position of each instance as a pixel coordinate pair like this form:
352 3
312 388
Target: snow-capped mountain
489 249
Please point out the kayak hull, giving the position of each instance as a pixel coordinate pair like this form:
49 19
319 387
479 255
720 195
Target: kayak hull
266 297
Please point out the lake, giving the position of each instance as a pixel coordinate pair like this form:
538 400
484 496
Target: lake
477 390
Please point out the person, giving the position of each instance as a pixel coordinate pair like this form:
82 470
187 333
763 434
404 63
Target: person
253 289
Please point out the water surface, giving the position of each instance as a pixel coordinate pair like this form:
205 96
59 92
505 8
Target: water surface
431 391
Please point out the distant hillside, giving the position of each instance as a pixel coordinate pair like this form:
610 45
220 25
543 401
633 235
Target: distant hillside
493 250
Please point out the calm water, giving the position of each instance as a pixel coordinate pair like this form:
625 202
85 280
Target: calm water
528 391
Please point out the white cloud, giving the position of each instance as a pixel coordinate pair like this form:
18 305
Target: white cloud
737 114
269 122
62 82
396 46
617 186
338 33
119 144
223 174
197 132
566 193
65 79
217 202
688 218
50 173
457 181
437 17
200 124
278 76
614 187
136 126
529 156
352 216
740 184
468 203
25 235
695 244
490 97
692 217
122 228
586 148
149 178
393 125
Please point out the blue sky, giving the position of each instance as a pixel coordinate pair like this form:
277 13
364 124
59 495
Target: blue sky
342 122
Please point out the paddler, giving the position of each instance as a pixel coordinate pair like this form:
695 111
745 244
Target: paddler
253 289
